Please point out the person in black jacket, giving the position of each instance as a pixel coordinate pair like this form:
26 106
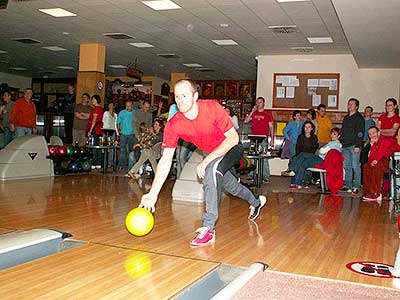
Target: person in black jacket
352 141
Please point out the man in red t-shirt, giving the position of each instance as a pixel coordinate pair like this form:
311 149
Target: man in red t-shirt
262 123
23 115
207 125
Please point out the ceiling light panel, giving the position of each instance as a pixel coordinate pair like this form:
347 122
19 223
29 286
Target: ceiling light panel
161 5
2 52
18 68
117 66
58 12
284 1
119 36
65 67
320 40
142 45
54 48
193 65
225 42
26 41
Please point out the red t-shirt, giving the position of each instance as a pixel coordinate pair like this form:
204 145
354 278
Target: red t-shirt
206 131
387 123
260 122
99 120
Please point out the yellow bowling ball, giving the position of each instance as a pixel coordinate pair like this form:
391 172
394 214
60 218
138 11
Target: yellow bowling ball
139 221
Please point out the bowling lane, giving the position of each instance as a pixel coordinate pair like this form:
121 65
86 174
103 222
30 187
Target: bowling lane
101 272
5 230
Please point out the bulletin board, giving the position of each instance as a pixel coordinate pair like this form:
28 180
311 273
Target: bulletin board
305 90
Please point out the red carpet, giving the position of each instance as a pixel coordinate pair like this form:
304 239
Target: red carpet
285 286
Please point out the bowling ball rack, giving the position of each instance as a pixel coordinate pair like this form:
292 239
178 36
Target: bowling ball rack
70 159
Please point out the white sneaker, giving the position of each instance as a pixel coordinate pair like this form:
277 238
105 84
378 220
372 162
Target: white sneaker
255 211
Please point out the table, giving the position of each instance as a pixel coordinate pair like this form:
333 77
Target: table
259 161
105 150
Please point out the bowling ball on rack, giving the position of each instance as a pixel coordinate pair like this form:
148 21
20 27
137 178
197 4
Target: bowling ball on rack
139 221
53 150
77 151
62 150
85 165
70 150
73 166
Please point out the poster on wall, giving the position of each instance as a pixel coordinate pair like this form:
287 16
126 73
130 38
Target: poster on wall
280 92
207 89
232 89
332 100
316 100
290 92
219 89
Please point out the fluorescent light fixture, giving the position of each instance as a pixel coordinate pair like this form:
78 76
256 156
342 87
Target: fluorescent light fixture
320 40
18 68
283 1
142 45
193 65
302 59
58 12
117 66
161 4
225 42
224 25
2 52
54 48
281 26
65 67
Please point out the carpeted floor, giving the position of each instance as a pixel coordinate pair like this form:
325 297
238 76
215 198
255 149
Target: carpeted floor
278 285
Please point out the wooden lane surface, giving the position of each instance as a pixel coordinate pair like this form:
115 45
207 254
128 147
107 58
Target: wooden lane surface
5 230
101 272
296 232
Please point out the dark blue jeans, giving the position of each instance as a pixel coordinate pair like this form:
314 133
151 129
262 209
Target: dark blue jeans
300 163
126 144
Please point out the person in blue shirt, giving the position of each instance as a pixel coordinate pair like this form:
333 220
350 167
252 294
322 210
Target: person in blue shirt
293 130
368 121
127 139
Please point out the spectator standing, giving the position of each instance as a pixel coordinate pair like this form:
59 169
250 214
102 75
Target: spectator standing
352 140
23 115
292 131
94 126
368 121
233 117
324 125
5 113
127 139
81 117
69 107
389 122
262 124
142 115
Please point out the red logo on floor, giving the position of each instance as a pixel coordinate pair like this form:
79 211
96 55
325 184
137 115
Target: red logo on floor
373 269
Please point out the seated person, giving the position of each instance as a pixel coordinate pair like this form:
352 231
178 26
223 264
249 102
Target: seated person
333 144
378 163
307 144
151 136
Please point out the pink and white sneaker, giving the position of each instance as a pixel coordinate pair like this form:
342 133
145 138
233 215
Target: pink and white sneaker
204 236
295 187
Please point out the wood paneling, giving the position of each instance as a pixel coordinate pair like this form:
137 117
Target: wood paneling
296 232
101 272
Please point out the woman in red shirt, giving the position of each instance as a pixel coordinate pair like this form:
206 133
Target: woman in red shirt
389 122
95 122
93 128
